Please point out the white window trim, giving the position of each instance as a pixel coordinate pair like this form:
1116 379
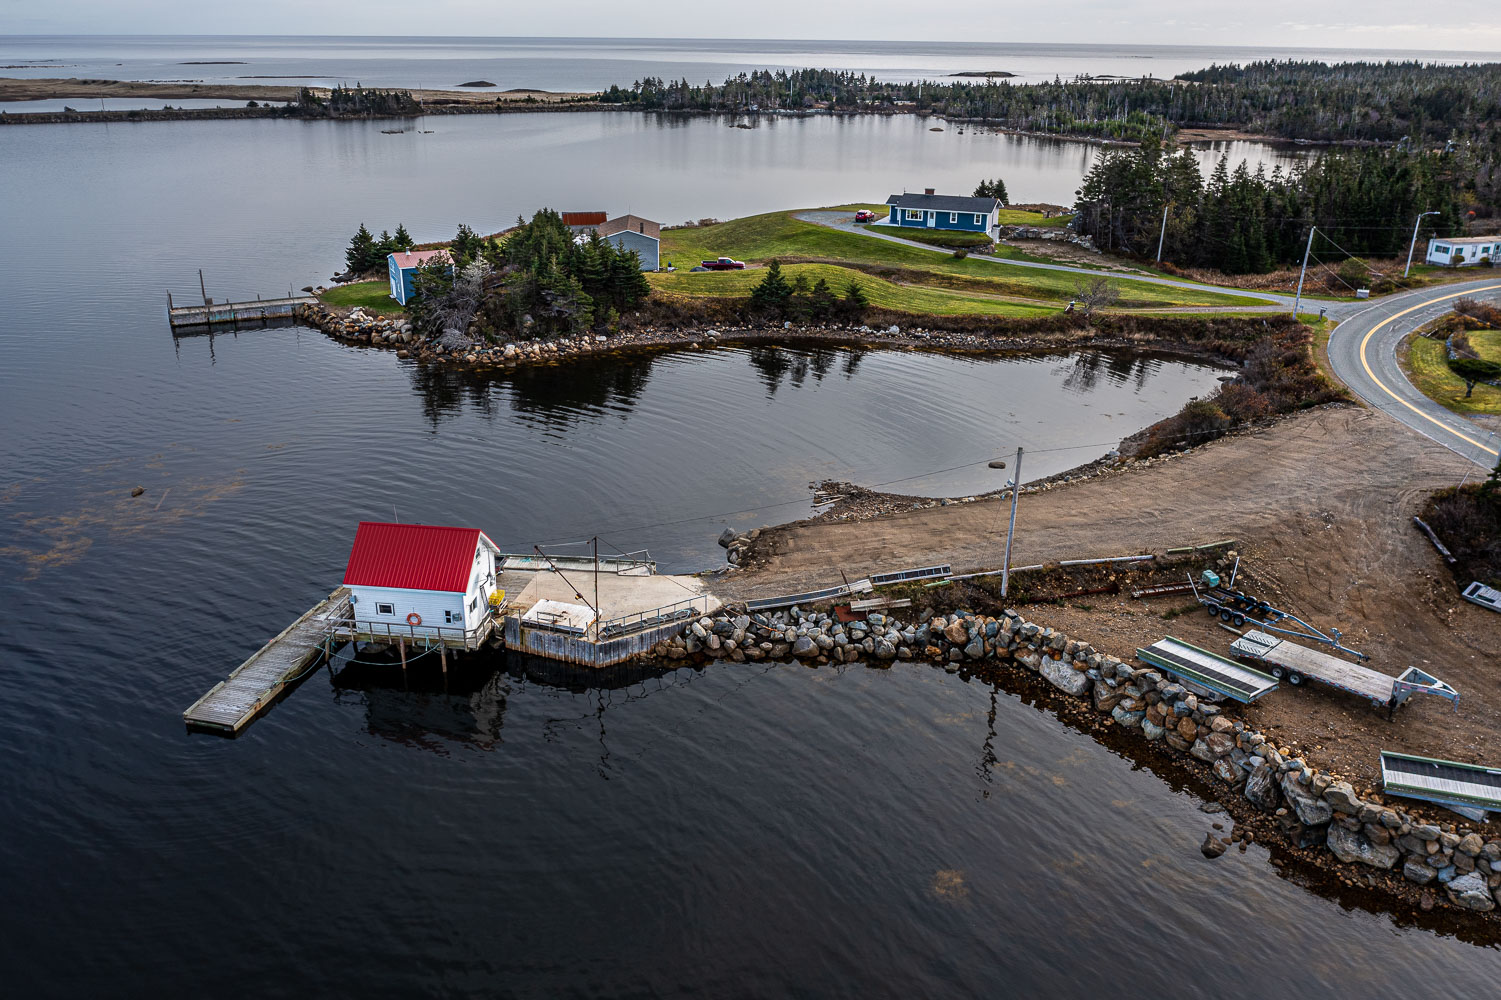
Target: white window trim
953 218
914 215
979 219
382 608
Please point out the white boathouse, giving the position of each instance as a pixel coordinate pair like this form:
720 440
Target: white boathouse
421 583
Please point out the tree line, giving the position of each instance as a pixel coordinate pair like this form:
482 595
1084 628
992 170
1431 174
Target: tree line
1240 221
1355 101
368 253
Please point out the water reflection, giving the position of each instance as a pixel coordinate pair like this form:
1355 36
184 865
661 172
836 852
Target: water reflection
1084 371
794 364
555 396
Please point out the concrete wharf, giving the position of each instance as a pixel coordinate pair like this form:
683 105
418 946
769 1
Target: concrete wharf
234 313
234 702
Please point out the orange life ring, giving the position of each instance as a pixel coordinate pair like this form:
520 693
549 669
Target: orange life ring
414 619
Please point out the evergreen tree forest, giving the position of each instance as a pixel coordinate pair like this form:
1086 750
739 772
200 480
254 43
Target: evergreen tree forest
1359 101
1239 221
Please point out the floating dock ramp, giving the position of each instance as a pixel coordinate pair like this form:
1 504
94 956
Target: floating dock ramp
1207 670
1472 790
235 701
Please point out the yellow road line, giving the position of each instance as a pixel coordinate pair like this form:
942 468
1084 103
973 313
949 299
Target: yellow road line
1382 386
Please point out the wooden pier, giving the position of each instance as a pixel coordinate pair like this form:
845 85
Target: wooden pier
235 313
234 702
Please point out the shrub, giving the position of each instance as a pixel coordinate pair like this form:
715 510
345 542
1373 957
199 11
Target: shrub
961 253
1242 403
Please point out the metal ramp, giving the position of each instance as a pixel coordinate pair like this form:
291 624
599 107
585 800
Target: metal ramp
1472 790
909 575
1208 670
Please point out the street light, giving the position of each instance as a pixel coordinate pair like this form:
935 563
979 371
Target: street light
1414 244
1016 486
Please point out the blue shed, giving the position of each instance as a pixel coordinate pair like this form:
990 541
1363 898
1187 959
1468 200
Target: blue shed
402 269
943 211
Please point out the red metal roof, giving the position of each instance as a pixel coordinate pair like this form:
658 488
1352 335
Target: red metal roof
584 218
412 556
416 258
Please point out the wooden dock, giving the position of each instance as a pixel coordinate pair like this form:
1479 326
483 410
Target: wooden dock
234 702
233 313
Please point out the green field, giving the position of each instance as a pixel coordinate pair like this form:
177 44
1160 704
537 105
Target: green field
881 293
960 285
373 296
1428 367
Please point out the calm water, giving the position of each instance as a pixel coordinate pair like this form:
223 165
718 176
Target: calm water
732 832
568 64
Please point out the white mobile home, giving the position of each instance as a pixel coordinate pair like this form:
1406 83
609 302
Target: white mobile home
421 581
1467 250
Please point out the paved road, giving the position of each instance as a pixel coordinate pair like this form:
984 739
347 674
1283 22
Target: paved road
1363 354
846 222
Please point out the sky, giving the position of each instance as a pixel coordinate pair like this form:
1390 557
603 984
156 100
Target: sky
1362 24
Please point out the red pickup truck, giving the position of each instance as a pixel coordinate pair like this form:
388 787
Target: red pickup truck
722 264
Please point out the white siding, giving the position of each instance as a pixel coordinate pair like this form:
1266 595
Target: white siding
430 604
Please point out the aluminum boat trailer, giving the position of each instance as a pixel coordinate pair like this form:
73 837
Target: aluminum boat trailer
1237 608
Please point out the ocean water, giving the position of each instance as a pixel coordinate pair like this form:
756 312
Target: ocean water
586 64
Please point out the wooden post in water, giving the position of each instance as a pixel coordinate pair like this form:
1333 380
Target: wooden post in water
443 656
401 644
201 287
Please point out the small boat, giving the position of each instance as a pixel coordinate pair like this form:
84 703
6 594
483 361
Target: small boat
392 131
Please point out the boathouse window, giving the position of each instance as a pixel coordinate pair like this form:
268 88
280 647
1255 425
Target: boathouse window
385 609
1440 249
915 214
953 217
979 219
449 617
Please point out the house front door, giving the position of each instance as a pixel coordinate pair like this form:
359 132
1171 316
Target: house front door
932 219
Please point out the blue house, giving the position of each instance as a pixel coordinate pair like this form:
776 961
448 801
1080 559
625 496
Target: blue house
402 269
943 211
631 232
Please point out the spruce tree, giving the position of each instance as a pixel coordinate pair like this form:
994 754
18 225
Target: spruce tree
361 250
403 239
773 293
855 301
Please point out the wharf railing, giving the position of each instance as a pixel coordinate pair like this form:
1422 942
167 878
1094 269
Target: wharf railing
655 617
448 635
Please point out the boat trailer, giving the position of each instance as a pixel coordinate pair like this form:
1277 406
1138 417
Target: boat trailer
1237 608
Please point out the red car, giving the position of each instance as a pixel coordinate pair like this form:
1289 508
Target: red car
865 215
722 264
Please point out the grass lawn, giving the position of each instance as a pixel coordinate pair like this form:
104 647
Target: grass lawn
882 293
374 296
1427 365
760 238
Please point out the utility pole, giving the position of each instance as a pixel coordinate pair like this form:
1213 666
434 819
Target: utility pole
1414 244
1016 488
1162 235
1306 251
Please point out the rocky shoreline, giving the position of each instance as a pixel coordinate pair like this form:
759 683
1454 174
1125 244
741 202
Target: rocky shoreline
357 326
1409 855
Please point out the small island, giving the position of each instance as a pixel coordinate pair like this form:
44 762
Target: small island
476 83
989 74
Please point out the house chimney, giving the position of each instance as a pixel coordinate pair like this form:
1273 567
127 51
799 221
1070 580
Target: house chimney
927 190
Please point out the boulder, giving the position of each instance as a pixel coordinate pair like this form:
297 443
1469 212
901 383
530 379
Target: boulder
1128 719
1219 744
1342 797
1349 846
1064 677
1471 892
1261 788
1311 810
1213 846
1105 696
1223 769
804 647
1470 844
957 633
1415 871
1150 729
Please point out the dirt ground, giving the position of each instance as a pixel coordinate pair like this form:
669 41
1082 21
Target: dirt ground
1321 504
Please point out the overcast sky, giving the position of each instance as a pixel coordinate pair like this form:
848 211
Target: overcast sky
1391 24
